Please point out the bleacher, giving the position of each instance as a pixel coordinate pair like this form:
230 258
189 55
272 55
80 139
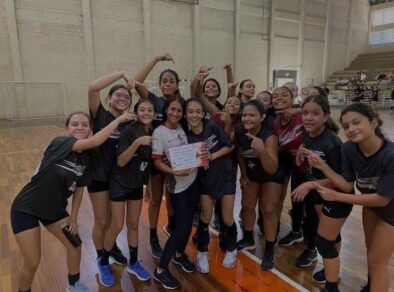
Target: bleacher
370 64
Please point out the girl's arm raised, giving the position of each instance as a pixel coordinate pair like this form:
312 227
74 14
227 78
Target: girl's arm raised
101 83
100 137
144 72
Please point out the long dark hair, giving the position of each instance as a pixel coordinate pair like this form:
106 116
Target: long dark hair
241 85
322 101
257 104
172 99
214 81
366 111
173 73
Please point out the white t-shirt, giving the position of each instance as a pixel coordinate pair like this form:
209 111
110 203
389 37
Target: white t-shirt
163 139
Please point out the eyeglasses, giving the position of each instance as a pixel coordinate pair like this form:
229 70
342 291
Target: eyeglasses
118 94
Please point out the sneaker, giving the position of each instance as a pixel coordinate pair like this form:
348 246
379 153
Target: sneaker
166 279
106 277
267 263
139 271
230 259
319 277
78 287
306 258
116 257
202 264
291 238
156 249
167 230
222 241
184 262
246 244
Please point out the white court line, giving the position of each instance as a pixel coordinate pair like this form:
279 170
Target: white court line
274 271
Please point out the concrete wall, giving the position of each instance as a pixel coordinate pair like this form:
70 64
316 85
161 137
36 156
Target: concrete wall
75 41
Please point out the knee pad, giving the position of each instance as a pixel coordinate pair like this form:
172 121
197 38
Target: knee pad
338 239
326 247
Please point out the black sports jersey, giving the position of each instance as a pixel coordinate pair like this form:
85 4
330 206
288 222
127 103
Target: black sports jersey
374 174
60 172
105 154
135 173
328 146
216 179
159 105
254 169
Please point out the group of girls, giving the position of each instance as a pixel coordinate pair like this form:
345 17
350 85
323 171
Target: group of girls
270 140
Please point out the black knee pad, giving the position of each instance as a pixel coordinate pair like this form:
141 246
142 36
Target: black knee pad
326 247
338 239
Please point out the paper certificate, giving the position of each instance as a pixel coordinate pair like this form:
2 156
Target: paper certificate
186 156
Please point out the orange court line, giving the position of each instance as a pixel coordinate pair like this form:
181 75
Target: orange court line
245 276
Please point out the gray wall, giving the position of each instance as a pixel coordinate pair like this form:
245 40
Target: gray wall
75 41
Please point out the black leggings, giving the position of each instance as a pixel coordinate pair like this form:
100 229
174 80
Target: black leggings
297 208
183 204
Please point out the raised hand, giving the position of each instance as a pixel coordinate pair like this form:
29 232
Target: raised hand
125 117
257 145
226 66
166 57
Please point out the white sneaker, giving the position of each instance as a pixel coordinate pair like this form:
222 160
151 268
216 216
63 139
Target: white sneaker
230 259
78 287
202 264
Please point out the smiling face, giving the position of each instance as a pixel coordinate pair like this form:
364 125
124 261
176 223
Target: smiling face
79 126
282 99
174 113
248 89
251 117
194 113
168 83
232 105
145 113
358 127
120 100
211 89
314 118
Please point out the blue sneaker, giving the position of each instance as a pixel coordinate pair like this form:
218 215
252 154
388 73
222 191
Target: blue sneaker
106 277
139 271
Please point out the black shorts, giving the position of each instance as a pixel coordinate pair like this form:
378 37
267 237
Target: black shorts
132 196
331 209
154 170
98 186
21 221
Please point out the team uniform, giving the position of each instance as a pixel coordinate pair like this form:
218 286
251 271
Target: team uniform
328 146
254 169
374 174
184 193
44 198
218 178
127 182
104 157
290 138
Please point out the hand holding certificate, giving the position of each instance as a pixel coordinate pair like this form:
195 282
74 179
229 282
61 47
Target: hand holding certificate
187 156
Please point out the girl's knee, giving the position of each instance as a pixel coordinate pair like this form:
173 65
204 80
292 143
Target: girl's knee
132 226
100 224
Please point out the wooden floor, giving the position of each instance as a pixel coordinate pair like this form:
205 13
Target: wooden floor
21 147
